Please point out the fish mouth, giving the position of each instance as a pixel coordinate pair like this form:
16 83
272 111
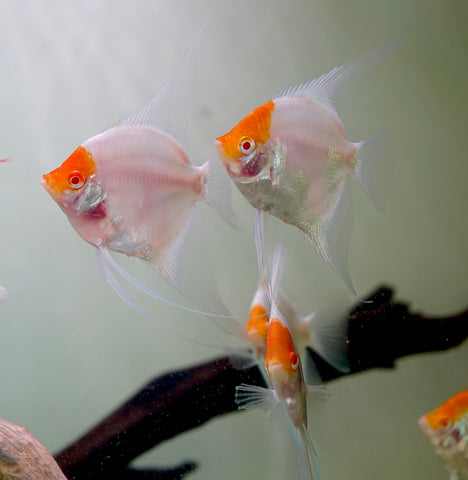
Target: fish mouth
45 183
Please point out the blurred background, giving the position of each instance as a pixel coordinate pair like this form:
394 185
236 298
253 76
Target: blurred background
71 350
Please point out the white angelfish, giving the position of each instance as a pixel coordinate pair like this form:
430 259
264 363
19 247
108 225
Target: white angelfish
132 190
291 158
288 389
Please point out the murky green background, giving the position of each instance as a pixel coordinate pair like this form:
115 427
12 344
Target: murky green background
71 350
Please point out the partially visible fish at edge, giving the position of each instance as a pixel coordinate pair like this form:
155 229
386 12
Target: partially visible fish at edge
446 428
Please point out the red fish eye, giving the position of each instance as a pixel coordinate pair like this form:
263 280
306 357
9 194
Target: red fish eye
246 145
444 421
76 180
294 360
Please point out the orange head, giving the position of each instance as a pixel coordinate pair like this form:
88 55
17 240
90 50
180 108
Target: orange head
280 348
240 149
72 175
257 326
449 412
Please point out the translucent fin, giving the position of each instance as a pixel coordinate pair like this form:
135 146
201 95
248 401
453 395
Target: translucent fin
307 461
318 392
169 110
259 237
331 236
242 359
277 270
3 294
375 167
218 191
251 396
338 89
195 281
311 374
106 268
328 333
138 284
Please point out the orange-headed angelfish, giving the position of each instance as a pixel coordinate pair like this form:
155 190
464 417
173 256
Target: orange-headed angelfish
132 189
446 427
323 330
285 375
291 157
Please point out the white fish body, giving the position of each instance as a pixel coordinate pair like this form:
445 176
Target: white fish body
132 189
288 389
291 158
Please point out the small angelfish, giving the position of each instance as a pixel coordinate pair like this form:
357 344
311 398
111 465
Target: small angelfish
446 427
323 330
288 388
132 189
291 157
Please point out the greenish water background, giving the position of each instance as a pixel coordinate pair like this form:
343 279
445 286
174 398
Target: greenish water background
71 350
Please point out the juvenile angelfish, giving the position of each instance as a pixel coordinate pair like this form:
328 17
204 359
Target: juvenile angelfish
132 189
446 427
291 157
323 330
288 387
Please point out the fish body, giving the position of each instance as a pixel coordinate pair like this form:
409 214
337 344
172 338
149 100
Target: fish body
288 388
256 329
284 368
446 427
133 193
291 158
324 330
132 188
299 168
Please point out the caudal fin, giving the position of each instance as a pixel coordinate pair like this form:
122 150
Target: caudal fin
307 462
375 167
218 191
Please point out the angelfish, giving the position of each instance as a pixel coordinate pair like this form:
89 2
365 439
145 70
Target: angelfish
292 158
132 188
288 389
446 428
323 330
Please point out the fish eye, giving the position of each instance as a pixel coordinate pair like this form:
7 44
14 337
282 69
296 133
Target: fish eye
76 180
444 422
246 145
294 361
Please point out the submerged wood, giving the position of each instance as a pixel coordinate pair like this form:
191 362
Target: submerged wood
379 333
23 457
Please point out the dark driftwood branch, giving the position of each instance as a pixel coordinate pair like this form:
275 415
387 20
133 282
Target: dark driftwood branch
23 457
379 333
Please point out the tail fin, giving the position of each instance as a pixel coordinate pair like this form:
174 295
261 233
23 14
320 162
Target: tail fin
307 462
375 167
218 192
